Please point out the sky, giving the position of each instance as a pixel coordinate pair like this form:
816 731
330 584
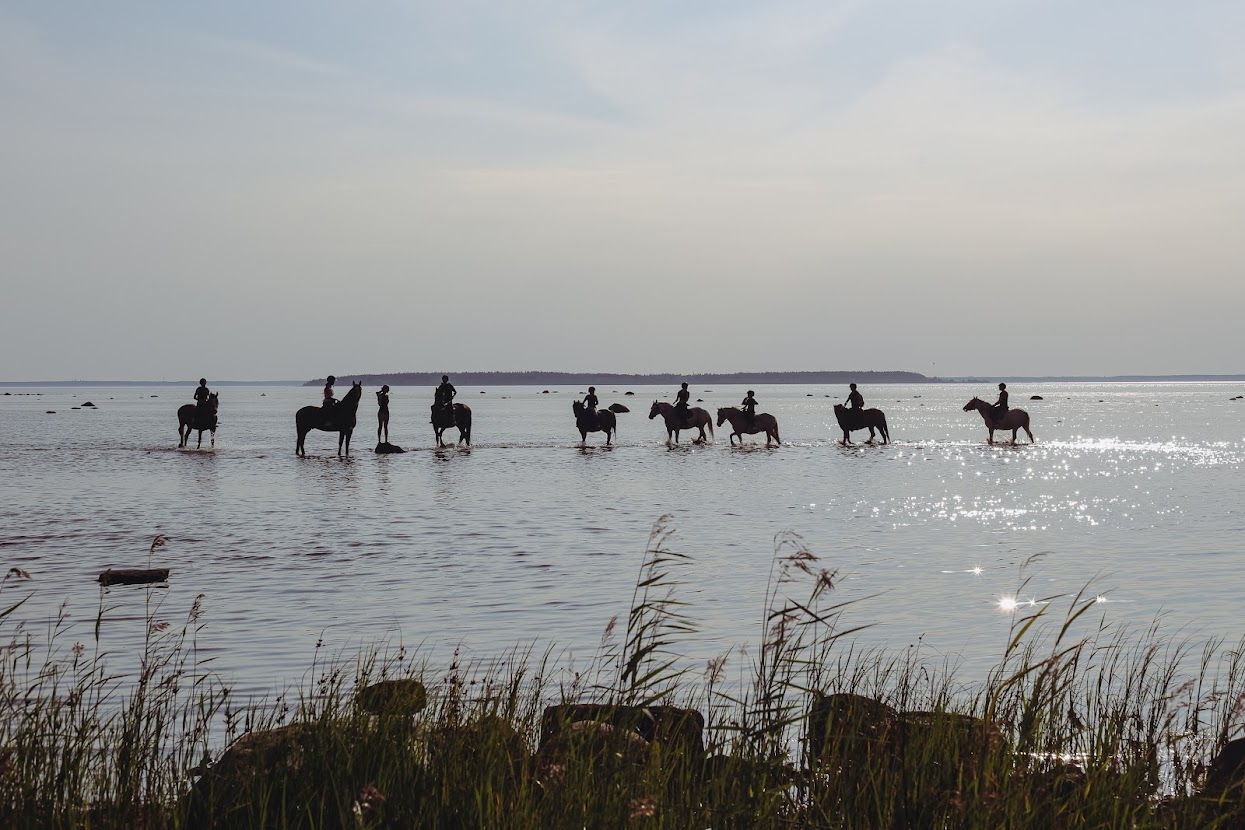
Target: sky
290 189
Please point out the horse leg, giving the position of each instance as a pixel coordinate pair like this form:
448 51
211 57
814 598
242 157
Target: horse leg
990 437
213 438
1014 431
1030 432
199 445
871 436
348 434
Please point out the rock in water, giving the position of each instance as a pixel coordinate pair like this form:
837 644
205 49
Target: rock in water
617 407
1036 398
385 447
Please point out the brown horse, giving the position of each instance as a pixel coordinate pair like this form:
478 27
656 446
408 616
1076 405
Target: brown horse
461 419
605 421
339 418
1015 419
871 419
764 422
697 418
188 418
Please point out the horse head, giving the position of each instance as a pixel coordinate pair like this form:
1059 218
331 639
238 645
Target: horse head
722 415
655 411
213 401
577 407
975 403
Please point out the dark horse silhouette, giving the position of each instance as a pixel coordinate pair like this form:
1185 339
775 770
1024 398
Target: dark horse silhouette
697 418
460 419
1015 419
188 418
850 419
741 426
340 419
605 421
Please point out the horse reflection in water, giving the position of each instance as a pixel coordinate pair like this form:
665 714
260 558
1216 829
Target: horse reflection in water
1015 419
339 418
457 416
697 418
603 420
853 419
189 417
741 426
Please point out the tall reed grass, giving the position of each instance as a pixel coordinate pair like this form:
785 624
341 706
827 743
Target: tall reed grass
1079 725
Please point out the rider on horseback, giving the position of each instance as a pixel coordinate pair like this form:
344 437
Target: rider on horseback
749 405
855 400
999 411
681 406
443 402
202 394
326 408
590 406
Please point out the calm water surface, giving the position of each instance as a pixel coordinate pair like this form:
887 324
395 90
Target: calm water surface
1132 489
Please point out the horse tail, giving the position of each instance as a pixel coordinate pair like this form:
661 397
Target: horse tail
886 433
710 425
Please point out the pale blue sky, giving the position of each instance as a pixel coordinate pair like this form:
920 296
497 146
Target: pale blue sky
245 190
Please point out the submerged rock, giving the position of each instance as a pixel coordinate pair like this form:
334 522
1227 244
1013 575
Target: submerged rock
1036 398
617 407
385 447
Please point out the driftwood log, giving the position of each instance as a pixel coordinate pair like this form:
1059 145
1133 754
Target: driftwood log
133 576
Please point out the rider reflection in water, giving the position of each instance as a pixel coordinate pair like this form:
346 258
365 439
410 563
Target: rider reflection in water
999 410
855 400
749 405
680 404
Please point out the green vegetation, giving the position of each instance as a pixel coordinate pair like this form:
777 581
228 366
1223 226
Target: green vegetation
1077 727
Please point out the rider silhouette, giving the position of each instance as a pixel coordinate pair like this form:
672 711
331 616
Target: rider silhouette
590 405
202 393
749 405
443 403
382 414
855 400
329 400
999 410
680 404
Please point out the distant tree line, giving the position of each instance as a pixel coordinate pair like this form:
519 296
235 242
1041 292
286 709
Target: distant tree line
603 378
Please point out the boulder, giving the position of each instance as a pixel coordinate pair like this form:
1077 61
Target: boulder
1036 398
849 727
679 730
603 746
88 403
617 407
133 576
224 790
385 447
628 393
1226 773
403 697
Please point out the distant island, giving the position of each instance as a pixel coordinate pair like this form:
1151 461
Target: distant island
616 379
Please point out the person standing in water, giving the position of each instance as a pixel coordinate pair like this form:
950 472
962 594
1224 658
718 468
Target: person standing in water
382 414
999 410
749 405
855 400
681 405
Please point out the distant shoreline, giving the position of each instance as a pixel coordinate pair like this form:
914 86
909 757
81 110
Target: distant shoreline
655 379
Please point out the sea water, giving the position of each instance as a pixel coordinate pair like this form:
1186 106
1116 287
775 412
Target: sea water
1132 492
